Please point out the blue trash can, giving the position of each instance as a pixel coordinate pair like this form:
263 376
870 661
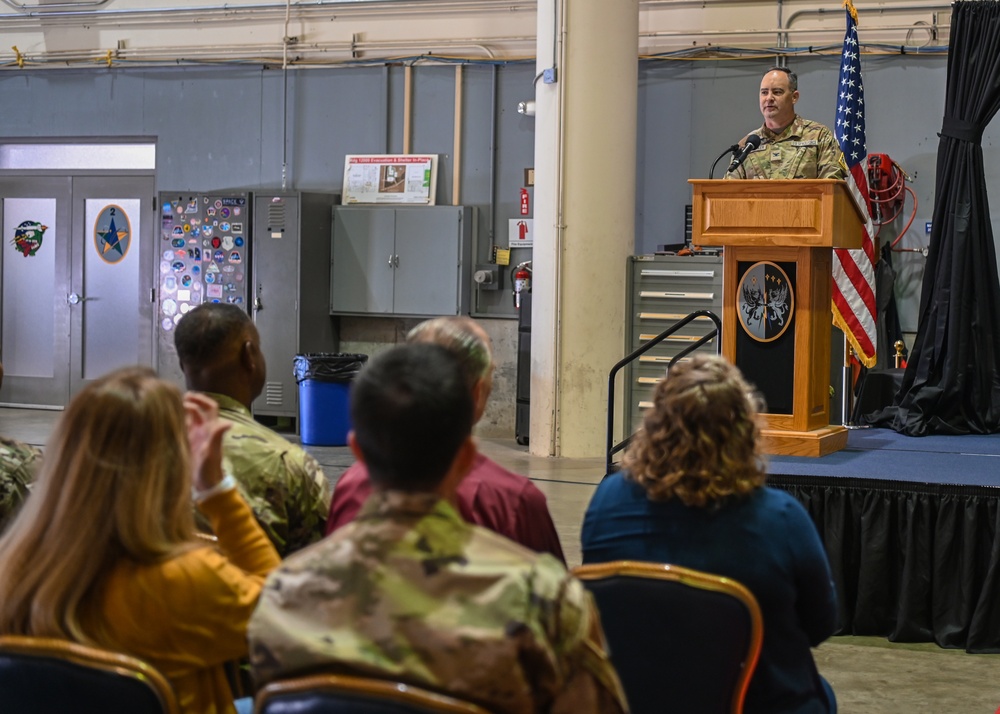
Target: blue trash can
324 381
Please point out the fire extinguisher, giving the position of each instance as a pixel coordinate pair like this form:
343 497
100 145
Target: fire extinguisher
521 280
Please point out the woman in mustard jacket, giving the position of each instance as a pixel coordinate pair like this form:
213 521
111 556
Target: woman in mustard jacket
104 551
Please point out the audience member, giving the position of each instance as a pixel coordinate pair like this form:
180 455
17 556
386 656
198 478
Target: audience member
490 496
105 551
410 591
18 464
219 352
692 494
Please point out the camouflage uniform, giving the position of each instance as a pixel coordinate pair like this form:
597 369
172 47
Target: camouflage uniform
18 464
285 487
804 150
409 591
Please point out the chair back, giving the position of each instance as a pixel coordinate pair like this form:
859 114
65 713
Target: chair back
681 640
342 694
41 675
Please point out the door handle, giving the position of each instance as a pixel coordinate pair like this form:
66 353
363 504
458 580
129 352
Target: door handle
74 299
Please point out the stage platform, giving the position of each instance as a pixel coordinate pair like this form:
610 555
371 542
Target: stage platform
912 529
887 456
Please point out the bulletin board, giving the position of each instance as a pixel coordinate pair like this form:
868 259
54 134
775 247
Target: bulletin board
409 179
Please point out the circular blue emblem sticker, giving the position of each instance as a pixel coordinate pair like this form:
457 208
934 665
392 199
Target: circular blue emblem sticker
112 234
766 301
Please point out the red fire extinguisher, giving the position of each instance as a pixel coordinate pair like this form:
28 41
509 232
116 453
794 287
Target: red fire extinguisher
521 281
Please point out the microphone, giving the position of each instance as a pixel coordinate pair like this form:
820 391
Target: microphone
753 142
731 150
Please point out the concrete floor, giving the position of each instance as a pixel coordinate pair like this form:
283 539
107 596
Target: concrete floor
870 675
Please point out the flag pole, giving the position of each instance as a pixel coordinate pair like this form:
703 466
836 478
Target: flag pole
847 388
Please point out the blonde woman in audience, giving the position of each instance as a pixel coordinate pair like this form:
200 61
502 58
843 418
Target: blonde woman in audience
692 494
104 551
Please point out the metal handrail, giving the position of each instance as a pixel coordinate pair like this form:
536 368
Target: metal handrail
643 349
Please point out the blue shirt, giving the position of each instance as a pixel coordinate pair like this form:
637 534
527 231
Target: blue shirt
765 541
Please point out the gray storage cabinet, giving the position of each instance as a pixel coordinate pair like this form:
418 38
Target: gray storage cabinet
291 252
404 261
662 290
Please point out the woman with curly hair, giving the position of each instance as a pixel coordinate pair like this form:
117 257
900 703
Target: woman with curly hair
692 494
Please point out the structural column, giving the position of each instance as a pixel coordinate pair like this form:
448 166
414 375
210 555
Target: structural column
585 163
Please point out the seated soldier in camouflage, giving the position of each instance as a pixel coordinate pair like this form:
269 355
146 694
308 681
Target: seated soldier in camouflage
409 591
791 147
219 352
18 464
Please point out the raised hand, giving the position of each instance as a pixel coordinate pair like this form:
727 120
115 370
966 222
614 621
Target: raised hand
205 430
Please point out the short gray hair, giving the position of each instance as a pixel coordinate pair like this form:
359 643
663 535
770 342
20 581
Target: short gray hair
793 79
461 336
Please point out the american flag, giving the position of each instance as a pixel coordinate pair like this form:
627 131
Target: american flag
854 307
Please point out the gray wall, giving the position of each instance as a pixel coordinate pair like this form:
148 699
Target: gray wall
222 127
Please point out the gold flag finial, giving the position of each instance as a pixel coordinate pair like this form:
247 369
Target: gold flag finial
851 9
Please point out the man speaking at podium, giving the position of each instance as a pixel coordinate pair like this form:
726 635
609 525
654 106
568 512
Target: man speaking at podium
786 146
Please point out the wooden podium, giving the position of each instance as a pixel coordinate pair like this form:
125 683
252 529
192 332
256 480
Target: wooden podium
779 238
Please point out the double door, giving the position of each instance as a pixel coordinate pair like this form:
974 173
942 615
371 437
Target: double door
76 266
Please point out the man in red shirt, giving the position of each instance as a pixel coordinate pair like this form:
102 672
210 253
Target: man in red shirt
490 496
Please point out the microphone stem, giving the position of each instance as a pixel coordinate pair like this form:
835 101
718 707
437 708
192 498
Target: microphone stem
711 172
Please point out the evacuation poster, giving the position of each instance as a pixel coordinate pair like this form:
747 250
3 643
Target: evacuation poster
401 178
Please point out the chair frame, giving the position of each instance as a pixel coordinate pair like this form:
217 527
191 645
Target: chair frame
95 658
696 579
367 686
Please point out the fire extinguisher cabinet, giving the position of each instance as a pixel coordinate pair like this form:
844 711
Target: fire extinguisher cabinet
522 409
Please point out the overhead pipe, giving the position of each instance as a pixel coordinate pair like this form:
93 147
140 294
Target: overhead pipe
260 52
55 6
771 31
862 10
494 120
407 106
315 55
229 10
456 153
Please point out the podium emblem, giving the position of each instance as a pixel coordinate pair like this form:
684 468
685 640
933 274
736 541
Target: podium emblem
766 302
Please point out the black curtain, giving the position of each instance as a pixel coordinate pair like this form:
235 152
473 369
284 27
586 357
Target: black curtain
952 380
914 562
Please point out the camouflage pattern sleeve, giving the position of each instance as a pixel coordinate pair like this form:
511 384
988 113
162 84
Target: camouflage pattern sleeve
287 490
590 681
829 163
19 463
308 501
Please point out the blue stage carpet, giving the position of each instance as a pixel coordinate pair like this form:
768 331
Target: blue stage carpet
883 454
